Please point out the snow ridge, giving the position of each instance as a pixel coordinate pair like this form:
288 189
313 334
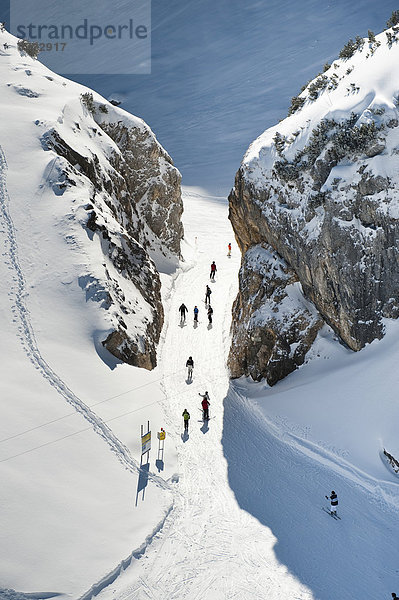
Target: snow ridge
29 343
108 579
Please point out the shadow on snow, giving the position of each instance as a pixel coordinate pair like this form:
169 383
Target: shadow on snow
284 489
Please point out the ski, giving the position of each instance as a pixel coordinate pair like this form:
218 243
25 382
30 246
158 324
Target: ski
329 513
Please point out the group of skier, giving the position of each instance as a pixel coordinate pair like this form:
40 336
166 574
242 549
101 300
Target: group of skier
183 308
190 362
205 410
205 403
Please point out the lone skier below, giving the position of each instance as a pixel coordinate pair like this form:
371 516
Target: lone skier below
213 271
205 405
186 418
190 367
334 503
229 250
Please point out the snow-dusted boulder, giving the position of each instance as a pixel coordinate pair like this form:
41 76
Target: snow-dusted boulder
321 189
119 197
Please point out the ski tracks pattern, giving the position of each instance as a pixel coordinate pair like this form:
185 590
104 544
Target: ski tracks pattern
26 334
208 549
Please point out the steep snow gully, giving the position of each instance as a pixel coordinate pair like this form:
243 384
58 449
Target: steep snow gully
247 522
26 335
209 547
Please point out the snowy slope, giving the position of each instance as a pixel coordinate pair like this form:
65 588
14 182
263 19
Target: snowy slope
365 84
116 186
249 525
248 522
71 507
209 548
247 519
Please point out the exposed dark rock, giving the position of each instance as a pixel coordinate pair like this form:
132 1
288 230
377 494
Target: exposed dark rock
337 236
272 332
135 209
159 204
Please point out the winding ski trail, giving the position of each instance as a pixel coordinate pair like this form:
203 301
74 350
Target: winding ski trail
26 334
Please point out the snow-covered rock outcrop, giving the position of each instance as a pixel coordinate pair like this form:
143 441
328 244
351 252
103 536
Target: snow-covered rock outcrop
106 185
321 189
279 322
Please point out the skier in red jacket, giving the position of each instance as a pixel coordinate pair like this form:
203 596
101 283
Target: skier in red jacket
205 405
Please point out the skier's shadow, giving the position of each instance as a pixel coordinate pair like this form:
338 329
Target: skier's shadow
160 465
205 427
210 326
188 381
185 436
195 324
182 324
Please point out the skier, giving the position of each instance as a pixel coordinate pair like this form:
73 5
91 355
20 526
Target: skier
210 313
213 271
229 249
334 502
205 405
196 311
186 418
208 293
190 367
183 309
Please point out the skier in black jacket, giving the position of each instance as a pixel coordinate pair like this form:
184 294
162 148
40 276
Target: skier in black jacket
210 313
334 502
183 309
190 367
208 293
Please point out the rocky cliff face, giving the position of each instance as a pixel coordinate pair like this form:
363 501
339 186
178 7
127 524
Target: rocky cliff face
276 325
129 202
133 212
321 190
109 191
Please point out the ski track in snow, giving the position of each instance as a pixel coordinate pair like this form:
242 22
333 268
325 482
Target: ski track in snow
233 531
26 335
209 548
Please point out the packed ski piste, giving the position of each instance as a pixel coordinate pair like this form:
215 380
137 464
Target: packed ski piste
248 492
246 519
